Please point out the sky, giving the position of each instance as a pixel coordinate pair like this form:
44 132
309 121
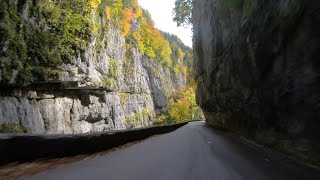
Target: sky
161 12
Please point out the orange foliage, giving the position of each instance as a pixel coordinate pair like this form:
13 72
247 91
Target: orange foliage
108 12
125 24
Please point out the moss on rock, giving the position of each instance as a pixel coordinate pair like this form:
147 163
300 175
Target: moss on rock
12 128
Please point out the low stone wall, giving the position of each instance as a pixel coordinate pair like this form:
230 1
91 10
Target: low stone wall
24 148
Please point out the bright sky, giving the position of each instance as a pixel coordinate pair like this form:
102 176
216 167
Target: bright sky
161 12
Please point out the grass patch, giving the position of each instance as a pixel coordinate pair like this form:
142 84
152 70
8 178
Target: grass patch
113 68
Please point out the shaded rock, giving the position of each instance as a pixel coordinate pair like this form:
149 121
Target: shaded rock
257 65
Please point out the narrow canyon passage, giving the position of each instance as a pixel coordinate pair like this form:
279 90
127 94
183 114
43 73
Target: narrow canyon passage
194 151
83 76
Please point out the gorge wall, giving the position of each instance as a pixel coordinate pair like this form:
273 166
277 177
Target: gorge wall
257 69
67 67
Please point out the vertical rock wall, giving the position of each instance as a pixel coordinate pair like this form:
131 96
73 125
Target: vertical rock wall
257 67
108 86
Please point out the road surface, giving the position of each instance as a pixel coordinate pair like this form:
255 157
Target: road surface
193 152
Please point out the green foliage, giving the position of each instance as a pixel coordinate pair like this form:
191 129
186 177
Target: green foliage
130 4
149 40
12 128
182 12
107 83
113 69
142 116
74 73
61 29
55 32
113 8
175 39
163 118
147 17
131 122
181 56
70 22
123 98
128 68
155 70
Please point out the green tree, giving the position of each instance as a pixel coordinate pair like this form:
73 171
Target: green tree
182 12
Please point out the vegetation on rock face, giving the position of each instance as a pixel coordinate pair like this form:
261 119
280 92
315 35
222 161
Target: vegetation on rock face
38 36
12 128
107 83
146 115
113 68
54 32
137 27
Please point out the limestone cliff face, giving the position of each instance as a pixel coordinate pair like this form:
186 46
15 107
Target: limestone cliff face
110 89
257 65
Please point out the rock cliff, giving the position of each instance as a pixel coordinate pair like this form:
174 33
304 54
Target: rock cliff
257 69
105 83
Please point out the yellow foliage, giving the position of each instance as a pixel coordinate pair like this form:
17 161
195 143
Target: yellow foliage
149 40
138 12
165 52
150 53
180 54
108 12
180 110
161 119
176 69
94 3
184 70
184 108
116 8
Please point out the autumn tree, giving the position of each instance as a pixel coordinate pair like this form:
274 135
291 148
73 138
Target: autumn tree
182 107
185 108
130 4
115 8
125 23
158 46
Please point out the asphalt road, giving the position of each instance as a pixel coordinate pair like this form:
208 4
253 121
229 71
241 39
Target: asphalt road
191 152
